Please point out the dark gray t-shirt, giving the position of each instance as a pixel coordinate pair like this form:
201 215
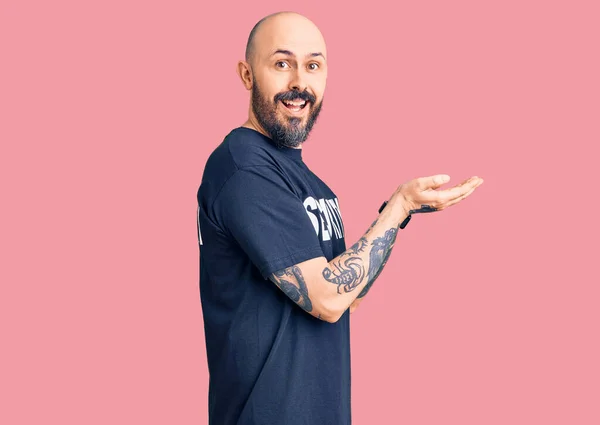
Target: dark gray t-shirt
261 209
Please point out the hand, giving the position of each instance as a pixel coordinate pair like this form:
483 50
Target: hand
422 191
355 304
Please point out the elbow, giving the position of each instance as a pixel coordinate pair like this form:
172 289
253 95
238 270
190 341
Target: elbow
330 318
330 312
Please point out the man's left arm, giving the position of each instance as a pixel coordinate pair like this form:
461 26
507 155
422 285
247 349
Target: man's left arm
375 266
354 305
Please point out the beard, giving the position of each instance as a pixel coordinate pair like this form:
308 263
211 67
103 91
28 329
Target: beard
287 131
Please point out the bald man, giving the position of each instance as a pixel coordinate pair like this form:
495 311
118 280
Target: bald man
277 281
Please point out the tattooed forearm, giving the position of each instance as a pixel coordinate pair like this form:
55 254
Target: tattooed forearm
297 292
372 225
348 273
382 248
359 246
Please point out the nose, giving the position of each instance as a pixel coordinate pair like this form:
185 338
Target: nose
298 81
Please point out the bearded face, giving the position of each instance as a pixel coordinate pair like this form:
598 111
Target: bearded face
288 117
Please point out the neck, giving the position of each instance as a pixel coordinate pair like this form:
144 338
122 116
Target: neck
252 123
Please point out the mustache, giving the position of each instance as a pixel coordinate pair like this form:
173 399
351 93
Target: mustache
295 94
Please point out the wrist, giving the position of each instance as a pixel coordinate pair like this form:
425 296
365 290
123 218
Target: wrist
402 205
398 207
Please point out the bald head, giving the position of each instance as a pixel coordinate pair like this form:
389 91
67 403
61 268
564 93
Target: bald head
286 71
284 28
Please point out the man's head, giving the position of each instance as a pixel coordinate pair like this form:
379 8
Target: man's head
286 71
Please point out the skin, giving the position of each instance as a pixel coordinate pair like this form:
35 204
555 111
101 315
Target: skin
303 69
327 289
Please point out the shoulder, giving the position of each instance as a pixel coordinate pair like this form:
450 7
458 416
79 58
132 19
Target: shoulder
248 148
242 148
242 154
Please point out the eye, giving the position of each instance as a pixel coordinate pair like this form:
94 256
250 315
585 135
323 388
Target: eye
281 64
313 66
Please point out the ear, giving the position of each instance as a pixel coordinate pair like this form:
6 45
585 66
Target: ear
245 73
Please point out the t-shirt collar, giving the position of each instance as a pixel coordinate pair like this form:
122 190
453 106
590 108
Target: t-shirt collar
293 153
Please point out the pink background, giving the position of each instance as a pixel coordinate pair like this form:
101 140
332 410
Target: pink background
487 313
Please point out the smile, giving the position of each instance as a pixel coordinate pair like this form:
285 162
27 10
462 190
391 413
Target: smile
295 105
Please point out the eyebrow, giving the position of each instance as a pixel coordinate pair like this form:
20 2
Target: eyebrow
289 53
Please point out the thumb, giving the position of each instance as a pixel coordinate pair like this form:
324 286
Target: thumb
433 182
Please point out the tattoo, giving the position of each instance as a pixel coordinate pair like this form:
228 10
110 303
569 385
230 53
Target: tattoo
372 224
382 248
359 246
297 293
351 273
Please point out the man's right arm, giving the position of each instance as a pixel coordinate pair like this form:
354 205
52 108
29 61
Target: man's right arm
327 289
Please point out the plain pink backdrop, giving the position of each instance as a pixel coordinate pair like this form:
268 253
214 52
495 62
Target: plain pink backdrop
487 313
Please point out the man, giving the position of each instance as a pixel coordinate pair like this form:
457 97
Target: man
277 282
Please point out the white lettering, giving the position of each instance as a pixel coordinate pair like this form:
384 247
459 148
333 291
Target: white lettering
335 219
310 205
198 223
339 213
325 216
325 220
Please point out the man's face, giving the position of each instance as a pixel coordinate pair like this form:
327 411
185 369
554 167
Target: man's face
289 75
288 116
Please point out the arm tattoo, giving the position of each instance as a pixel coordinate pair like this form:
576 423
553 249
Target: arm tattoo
372 225
350 271
359 246
298 293
382 248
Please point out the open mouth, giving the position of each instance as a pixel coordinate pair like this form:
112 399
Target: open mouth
295 105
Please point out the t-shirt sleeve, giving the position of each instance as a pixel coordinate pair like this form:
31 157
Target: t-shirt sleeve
259 209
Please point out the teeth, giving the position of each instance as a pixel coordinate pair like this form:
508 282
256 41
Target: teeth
297 103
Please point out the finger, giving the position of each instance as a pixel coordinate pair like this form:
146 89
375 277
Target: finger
432 182
457 200
445 196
